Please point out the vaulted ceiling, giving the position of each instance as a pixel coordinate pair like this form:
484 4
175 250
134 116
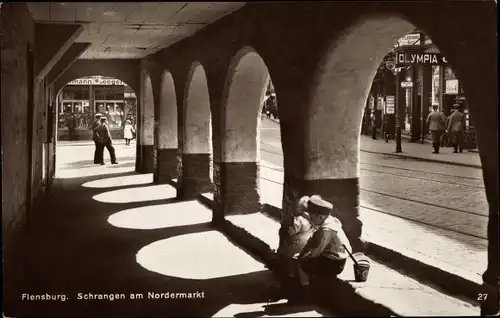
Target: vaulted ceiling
129 30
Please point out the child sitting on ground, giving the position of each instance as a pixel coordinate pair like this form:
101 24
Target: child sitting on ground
294 233
325 252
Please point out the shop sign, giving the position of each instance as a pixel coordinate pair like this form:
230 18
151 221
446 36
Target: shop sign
409 40
406 84
451 86
97 81
389 105
420 58
129 95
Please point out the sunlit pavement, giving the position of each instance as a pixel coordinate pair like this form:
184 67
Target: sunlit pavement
105 230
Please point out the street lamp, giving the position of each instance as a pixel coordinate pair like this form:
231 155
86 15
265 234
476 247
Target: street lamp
391 65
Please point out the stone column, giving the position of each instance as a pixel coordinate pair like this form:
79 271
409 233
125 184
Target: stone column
237 188
167 131
426 82
194 175
194 128
415 104
148 128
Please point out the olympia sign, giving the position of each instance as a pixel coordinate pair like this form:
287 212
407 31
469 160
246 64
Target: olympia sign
420 58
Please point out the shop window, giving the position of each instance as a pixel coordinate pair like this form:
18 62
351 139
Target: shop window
78 107
86 107
68 107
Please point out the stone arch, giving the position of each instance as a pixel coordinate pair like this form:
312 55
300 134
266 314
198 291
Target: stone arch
196 141
244 90
167 129
147 115
237 174
342 83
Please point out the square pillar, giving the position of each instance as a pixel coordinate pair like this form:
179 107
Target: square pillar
426 82
194 176
148 157
167 165
416 104
342 193
236 189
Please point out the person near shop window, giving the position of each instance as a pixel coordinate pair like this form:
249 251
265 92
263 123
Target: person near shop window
105 140
436 121
71 127
128 132
456 128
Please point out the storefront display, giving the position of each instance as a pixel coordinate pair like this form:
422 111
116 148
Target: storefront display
81 99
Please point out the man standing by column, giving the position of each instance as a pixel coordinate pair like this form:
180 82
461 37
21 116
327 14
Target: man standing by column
106 141
95 137
436 121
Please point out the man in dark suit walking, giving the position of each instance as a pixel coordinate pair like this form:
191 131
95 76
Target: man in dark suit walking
436 121
456 128
95 137
105 141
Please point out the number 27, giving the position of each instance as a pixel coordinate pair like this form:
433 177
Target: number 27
482 296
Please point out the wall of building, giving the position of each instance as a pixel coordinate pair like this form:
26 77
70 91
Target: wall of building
17 33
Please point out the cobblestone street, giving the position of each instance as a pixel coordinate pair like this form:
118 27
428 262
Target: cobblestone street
436 211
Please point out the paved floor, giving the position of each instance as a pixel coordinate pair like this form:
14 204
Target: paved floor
437 211
107 233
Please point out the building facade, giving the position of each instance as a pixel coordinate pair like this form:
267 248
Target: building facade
82 98
425 80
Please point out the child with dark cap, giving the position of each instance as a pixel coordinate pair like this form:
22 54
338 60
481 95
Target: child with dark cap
325 252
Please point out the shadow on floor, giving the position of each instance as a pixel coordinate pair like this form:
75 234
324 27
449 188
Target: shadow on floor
71 247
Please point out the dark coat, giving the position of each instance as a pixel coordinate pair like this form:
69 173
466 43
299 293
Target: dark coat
456 122
95 135
104 134
436 121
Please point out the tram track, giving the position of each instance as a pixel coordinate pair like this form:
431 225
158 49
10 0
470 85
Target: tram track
448 182
411 219
395 197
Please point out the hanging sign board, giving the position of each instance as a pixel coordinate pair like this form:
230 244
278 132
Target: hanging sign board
389 105
451 86
97 81
406 84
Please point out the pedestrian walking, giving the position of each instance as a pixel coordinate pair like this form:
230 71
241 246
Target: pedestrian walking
71 127
374 125
95 137
456 128
436 121
105 140
128 132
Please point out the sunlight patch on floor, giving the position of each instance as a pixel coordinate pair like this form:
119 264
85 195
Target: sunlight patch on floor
204 255
162 216
260 226
275 309
136 179
142 194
